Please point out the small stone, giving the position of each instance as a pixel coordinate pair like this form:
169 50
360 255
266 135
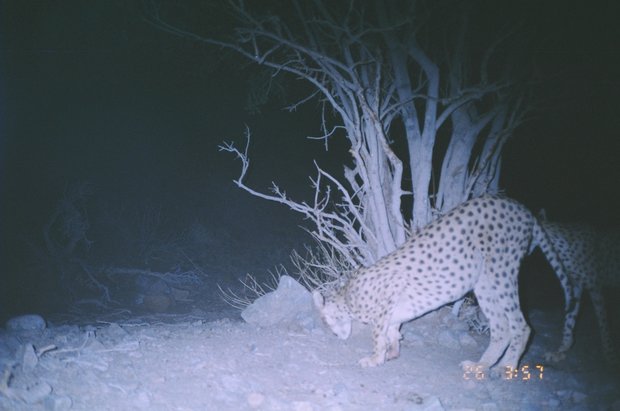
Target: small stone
255 399
28 322
57 403
113 332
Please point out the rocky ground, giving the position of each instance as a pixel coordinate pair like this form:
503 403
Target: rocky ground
287 361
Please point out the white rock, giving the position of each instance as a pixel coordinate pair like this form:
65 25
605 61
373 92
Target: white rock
57 403
289 303
29 358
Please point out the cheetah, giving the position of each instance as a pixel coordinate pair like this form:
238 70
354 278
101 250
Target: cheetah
477 246
592 261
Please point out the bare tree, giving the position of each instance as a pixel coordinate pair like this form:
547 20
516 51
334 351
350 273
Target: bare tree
367 65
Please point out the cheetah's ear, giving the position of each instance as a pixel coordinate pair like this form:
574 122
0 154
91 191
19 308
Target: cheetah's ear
319 301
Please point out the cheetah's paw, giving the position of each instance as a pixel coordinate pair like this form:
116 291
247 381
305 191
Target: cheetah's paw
471 366
555 356
480 371
474 367
371 361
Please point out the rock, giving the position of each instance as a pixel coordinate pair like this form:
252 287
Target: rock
28 322
29 358
289 304
57 403
112 333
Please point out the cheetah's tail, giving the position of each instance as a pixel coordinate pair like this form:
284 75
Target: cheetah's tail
541 239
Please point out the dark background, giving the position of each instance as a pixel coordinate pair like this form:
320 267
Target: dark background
90 92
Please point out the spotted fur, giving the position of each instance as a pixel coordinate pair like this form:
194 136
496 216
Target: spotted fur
478 246
592 261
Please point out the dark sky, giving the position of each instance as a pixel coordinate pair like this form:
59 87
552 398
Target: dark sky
90 92
566 158
89 96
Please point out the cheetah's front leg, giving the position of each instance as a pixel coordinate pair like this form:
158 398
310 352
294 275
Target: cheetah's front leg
380 348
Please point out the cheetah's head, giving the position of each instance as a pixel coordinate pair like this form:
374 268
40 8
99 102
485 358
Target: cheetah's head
334 314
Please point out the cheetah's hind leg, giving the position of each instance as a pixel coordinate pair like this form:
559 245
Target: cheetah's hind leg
570 319
509 331
498 327
394 338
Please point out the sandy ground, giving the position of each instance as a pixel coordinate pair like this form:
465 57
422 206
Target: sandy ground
196 362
